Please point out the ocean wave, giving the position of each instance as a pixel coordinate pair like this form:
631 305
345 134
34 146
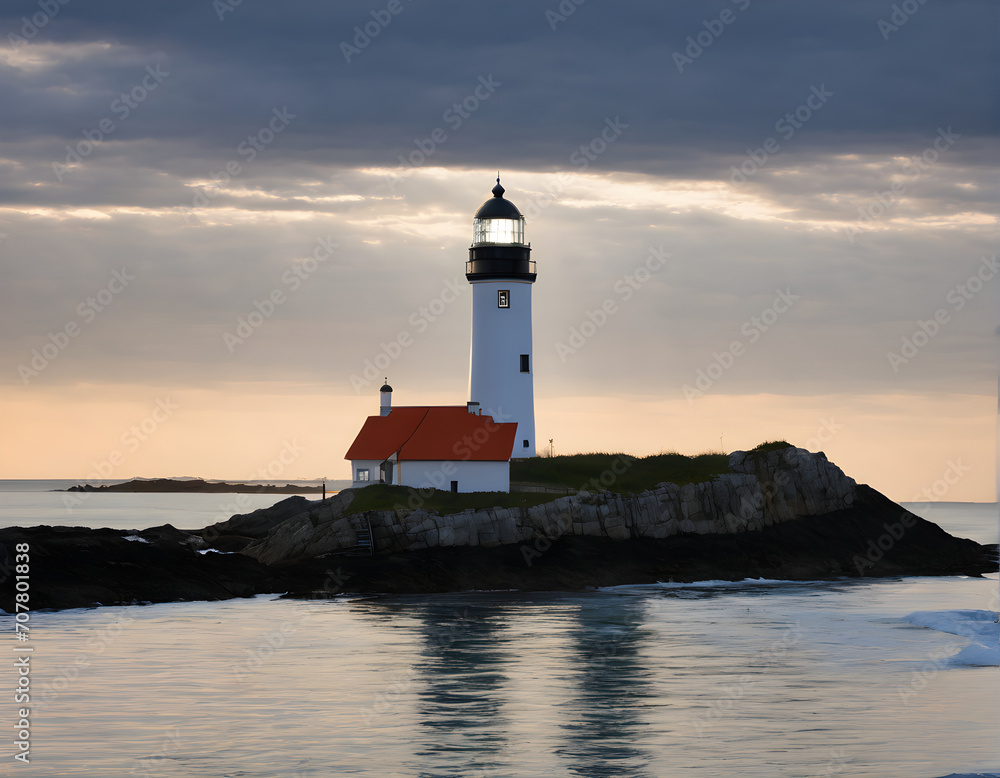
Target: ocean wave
981 627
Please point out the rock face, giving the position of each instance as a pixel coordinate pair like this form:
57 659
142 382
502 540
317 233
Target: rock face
316 530
761 489
77 567
259 522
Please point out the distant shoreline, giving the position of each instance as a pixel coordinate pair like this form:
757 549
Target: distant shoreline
195 486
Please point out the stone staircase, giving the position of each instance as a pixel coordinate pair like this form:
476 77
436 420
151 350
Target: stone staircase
366 544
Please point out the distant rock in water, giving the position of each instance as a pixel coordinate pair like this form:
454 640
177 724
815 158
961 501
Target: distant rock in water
194 485
783 514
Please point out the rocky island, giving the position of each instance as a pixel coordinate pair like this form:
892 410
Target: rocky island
193 485
776 512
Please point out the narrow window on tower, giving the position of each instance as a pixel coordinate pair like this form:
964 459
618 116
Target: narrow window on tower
524 443
503 298
524 363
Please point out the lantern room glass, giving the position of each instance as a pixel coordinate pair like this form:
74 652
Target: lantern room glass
498 231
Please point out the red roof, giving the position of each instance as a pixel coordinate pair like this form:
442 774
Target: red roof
382 436
435 433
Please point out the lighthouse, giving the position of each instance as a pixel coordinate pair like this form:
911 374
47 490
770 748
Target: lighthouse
501 272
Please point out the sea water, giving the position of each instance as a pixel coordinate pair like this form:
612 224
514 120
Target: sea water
33 503
886 677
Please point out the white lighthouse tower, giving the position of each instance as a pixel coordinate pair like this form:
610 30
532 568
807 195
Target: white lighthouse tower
501 273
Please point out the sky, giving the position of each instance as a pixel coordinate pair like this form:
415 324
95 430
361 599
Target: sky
223 223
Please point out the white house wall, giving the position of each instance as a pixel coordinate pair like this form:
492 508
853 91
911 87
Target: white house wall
471 476
373 471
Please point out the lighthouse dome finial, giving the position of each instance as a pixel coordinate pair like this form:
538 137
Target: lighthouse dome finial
497 207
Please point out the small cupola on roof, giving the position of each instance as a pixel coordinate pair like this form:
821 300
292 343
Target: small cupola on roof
385 398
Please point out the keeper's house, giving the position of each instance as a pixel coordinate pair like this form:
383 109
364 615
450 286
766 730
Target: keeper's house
433 447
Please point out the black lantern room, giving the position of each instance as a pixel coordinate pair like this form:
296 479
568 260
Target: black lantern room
498 249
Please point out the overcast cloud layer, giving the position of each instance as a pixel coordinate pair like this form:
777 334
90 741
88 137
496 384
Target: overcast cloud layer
866 203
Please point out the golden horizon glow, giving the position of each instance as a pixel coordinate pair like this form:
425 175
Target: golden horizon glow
233 431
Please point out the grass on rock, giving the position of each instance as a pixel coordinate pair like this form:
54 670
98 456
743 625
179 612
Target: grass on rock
620 473
382 497
595 472
769 446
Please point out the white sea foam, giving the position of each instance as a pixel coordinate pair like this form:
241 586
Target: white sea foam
716 583
979 626
973 775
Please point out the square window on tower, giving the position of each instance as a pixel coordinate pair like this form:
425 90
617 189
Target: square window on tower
503 298
524 364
